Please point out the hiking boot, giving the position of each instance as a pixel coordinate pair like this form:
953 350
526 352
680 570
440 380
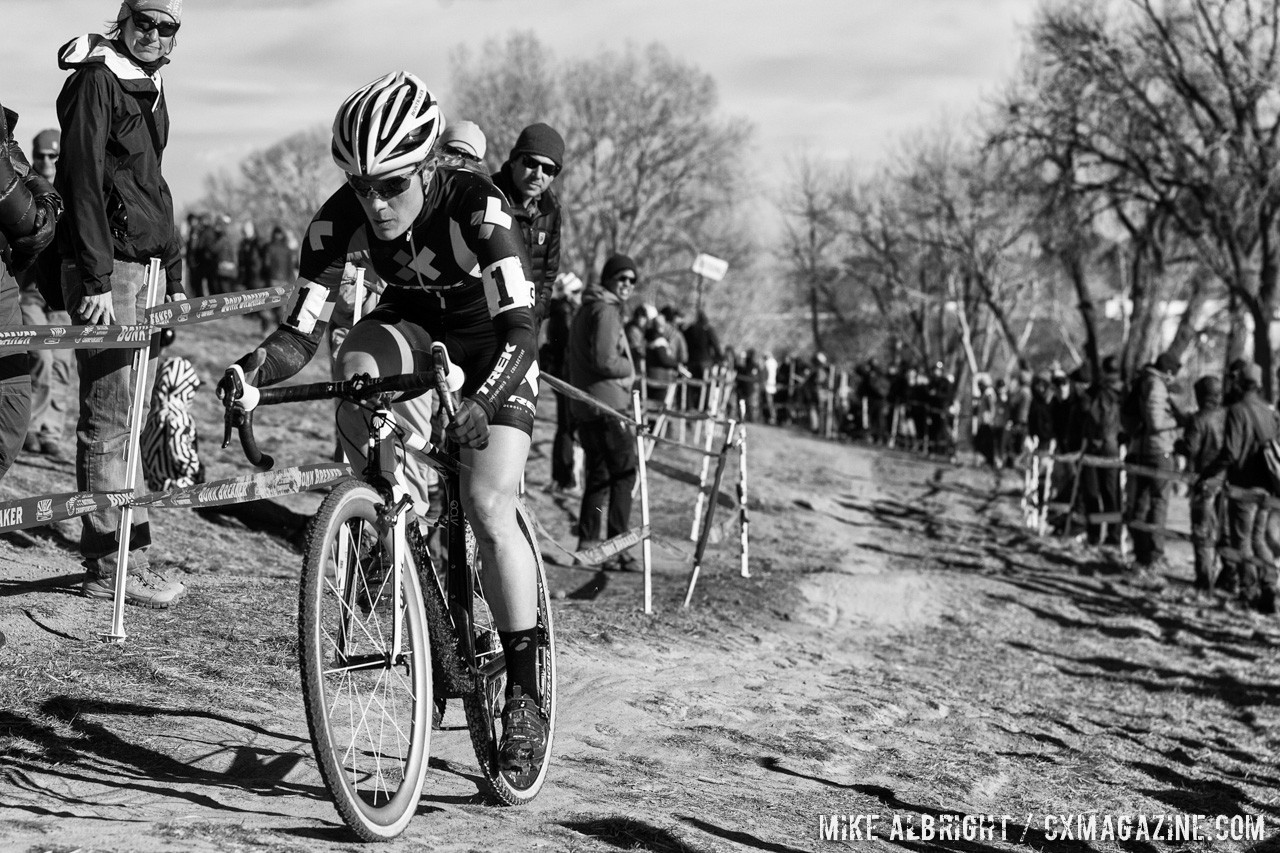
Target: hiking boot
524 736
31 444
622 562
143 588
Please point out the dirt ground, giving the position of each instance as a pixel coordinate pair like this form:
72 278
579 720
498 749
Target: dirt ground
903 657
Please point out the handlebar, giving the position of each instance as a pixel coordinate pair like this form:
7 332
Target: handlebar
244 398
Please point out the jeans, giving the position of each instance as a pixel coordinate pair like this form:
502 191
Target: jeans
51 371
609 452
102 430
1256 565
1149 504
1205 507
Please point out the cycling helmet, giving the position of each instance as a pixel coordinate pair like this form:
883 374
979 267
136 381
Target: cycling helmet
389 124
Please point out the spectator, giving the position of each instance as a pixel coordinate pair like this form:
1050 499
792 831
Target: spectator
1100 436
747 384
29 210
874 391
1000 423
941 389
672 321
1152 447
1201 444
984 414
525 178
1019 413
1250 424
249 258
206 257
703 345
636 329
115 124
769 386
600 364
278 270
170 443
553 360
659 358
51 369
818 394
226 271
462 146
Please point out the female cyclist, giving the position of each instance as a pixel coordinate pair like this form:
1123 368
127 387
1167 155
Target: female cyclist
444 242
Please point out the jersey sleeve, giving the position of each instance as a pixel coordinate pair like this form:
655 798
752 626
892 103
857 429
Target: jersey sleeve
490 231
325 246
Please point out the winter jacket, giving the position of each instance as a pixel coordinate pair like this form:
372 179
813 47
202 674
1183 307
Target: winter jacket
1202 441
1250 424
552 355
115 125
541 232
1101 418
599 357
1161 420
702 345
277 263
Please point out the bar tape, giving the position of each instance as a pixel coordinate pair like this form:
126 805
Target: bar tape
45 509
136 336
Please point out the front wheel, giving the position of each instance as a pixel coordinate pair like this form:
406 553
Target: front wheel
366 668
484 703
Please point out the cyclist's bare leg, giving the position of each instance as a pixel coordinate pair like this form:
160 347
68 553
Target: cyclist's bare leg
490 479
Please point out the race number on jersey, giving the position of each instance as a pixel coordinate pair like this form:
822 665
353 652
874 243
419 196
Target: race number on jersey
505 286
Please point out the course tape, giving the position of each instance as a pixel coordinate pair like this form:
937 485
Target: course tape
136 336
249 487
46 509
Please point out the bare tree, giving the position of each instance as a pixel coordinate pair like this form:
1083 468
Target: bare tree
650 170
281 185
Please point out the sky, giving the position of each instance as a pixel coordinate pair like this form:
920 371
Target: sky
845 80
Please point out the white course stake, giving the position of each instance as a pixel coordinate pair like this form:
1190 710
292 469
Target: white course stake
141 388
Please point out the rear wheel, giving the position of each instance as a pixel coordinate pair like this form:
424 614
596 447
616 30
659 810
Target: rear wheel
366 680
484 702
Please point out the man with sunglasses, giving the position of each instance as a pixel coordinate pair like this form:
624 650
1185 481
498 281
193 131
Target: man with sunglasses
526 178
114 117
444 242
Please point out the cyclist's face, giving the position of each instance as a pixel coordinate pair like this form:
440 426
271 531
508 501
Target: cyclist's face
392 217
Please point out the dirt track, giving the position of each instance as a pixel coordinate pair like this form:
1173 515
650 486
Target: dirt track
902 651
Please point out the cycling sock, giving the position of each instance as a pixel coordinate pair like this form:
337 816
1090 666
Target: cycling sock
521 651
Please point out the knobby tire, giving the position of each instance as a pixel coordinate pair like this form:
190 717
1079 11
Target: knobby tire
369 715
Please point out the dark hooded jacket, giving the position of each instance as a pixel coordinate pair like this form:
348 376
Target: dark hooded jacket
115 125
599 357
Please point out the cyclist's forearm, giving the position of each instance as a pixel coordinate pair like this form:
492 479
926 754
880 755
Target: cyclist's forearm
515 356
288 352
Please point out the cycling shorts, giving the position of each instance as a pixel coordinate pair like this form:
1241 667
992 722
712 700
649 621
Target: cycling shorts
399 344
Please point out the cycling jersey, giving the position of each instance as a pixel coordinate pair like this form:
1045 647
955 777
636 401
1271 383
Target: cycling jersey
459 273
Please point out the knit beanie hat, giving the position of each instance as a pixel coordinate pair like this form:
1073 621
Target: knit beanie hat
538 139
47 142
1167 362
616 264
172 8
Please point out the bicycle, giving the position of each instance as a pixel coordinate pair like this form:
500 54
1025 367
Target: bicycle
383 639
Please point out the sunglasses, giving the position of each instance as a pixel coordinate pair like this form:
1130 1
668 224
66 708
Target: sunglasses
43 156
381 188
144 24
548 169
625 279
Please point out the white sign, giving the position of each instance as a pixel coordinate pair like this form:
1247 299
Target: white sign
710 267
